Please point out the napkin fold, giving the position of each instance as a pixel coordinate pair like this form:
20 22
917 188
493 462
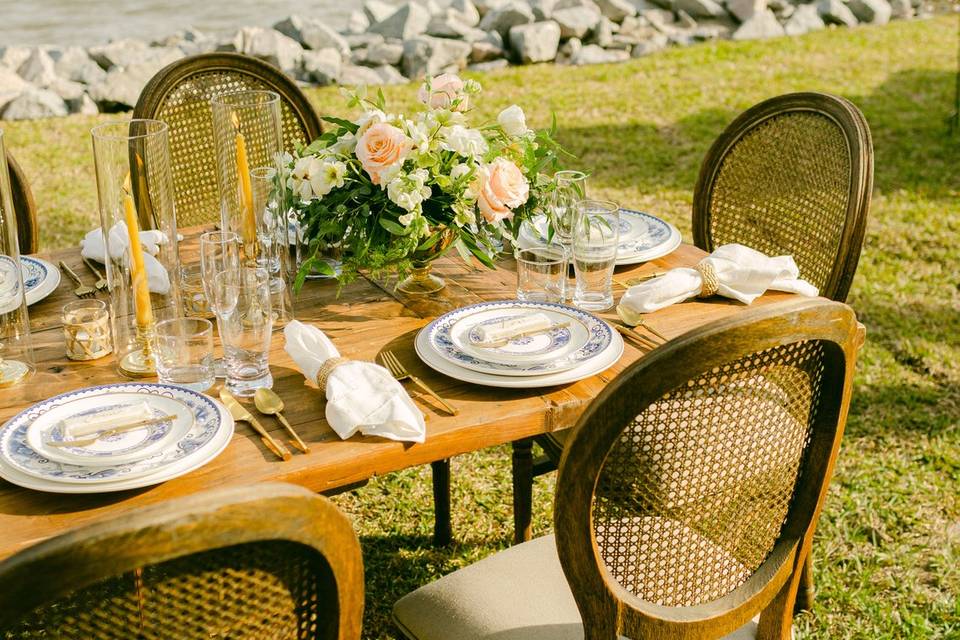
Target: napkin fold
742 273
93 247
361 396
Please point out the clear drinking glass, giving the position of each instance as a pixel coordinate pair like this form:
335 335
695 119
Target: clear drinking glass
274 253
242 303
571 189
219 252
595 239
542 274
185 353
86 329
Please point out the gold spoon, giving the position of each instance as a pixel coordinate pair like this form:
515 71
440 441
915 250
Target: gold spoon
269 403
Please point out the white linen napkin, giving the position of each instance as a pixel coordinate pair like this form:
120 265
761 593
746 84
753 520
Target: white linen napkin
361 396
93 247
742 274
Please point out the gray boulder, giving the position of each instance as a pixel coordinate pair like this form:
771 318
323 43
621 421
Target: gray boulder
270 46
655 43
351 75
38 69
408 21
35 103
717 29
357 22
700 8
901 9
312 33
594 54
74 95
363 40
449 25
603 33
14 56
11 86
536 42
685 20
543 9
660 19
836 12
384 53
783 9
804 19
466 11
485 50
486 6
760 26
743 10
491 65
119 53
120 88
636 29
377 10
616 10
75 65
569 49
871 11
389 75
577 22
321 65
507 16
427 55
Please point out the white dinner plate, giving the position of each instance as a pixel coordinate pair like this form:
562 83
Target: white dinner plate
40 279
120 448
590 368
17 454
449 338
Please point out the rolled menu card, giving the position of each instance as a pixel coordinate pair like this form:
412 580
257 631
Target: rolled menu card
512 327
78 426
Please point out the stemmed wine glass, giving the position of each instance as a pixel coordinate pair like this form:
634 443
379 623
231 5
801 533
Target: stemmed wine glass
219 252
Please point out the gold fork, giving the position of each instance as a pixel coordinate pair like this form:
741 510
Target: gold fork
82 290
101 283
398 371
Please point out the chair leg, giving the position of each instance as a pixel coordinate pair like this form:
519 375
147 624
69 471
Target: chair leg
805 591
442 529
522 490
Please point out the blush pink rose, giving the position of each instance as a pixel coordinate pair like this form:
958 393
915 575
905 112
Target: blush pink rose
382 147
503 188
444 89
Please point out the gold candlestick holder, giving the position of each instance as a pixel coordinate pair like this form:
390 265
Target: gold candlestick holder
141 362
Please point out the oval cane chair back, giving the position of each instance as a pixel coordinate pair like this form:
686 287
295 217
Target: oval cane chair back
24 208
270 561
791 175
180 95
689 491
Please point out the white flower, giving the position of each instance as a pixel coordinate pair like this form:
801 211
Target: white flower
330 176
459 171
419 134
409 190
368 119
313 177
467 142
345 145
513 122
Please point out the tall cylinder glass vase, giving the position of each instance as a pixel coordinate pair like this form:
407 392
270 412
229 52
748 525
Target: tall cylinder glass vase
249 140
16 346
135 188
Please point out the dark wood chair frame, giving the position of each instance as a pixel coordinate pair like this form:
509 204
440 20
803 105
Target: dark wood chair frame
24 208
606 607
47 572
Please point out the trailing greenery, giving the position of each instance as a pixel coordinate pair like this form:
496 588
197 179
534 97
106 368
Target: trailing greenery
887 553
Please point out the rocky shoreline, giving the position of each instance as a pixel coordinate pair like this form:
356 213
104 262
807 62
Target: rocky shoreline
391 44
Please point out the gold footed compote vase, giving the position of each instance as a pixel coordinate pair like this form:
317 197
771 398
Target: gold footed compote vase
420 281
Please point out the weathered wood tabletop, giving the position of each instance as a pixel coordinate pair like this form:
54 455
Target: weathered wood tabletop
366 318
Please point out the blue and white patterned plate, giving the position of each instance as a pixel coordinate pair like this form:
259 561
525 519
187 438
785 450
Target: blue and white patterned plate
119 448
40 279
589 337
16 453
643 237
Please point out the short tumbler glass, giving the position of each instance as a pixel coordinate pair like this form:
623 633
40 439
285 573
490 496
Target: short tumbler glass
242 302
595 240
541 274
185 353
86 329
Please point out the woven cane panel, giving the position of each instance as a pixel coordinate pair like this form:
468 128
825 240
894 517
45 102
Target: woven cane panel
262 591
783 189
694 493
193 154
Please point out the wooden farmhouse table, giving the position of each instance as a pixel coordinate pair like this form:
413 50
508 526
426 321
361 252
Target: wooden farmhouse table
364 319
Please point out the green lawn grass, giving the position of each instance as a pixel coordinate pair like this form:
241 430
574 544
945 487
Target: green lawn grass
888 545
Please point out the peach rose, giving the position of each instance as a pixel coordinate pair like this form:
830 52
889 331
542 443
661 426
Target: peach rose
382 147
444 89
502 189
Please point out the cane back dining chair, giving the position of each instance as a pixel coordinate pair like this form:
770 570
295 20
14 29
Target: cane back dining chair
687 498
24 208
180 93
271 561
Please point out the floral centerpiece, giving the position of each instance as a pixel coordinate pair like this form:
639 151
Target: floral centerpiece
391 192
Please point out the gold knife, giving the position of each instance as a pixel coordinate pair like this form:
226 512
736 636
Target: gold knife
239 412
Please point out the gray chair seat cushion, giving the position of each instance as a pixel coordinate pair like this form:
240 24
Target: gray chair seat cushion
520 593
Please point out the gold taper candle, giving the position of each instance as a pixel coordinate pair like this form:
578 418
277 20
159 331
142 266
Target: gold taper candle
248 223
138 273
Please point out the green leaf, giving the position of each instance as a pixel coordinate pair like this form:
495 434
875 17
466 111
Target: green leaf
393 227
352 127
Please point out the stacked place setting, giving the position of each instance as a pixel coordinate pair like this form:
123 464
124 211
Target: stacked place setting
519 344
112 438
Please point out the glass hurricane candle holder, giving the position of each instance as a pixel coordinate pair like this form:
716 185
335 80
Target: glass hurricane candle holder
249 140
16 346
135 189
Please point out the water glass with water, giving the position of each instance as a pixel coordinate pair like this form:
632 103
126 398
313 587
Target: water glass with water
185 353
242 303
596 235
542 274
571 188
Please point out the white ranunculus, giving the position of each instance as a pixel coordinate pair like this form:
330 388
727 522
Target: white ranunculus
513 122
469 143
409 190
